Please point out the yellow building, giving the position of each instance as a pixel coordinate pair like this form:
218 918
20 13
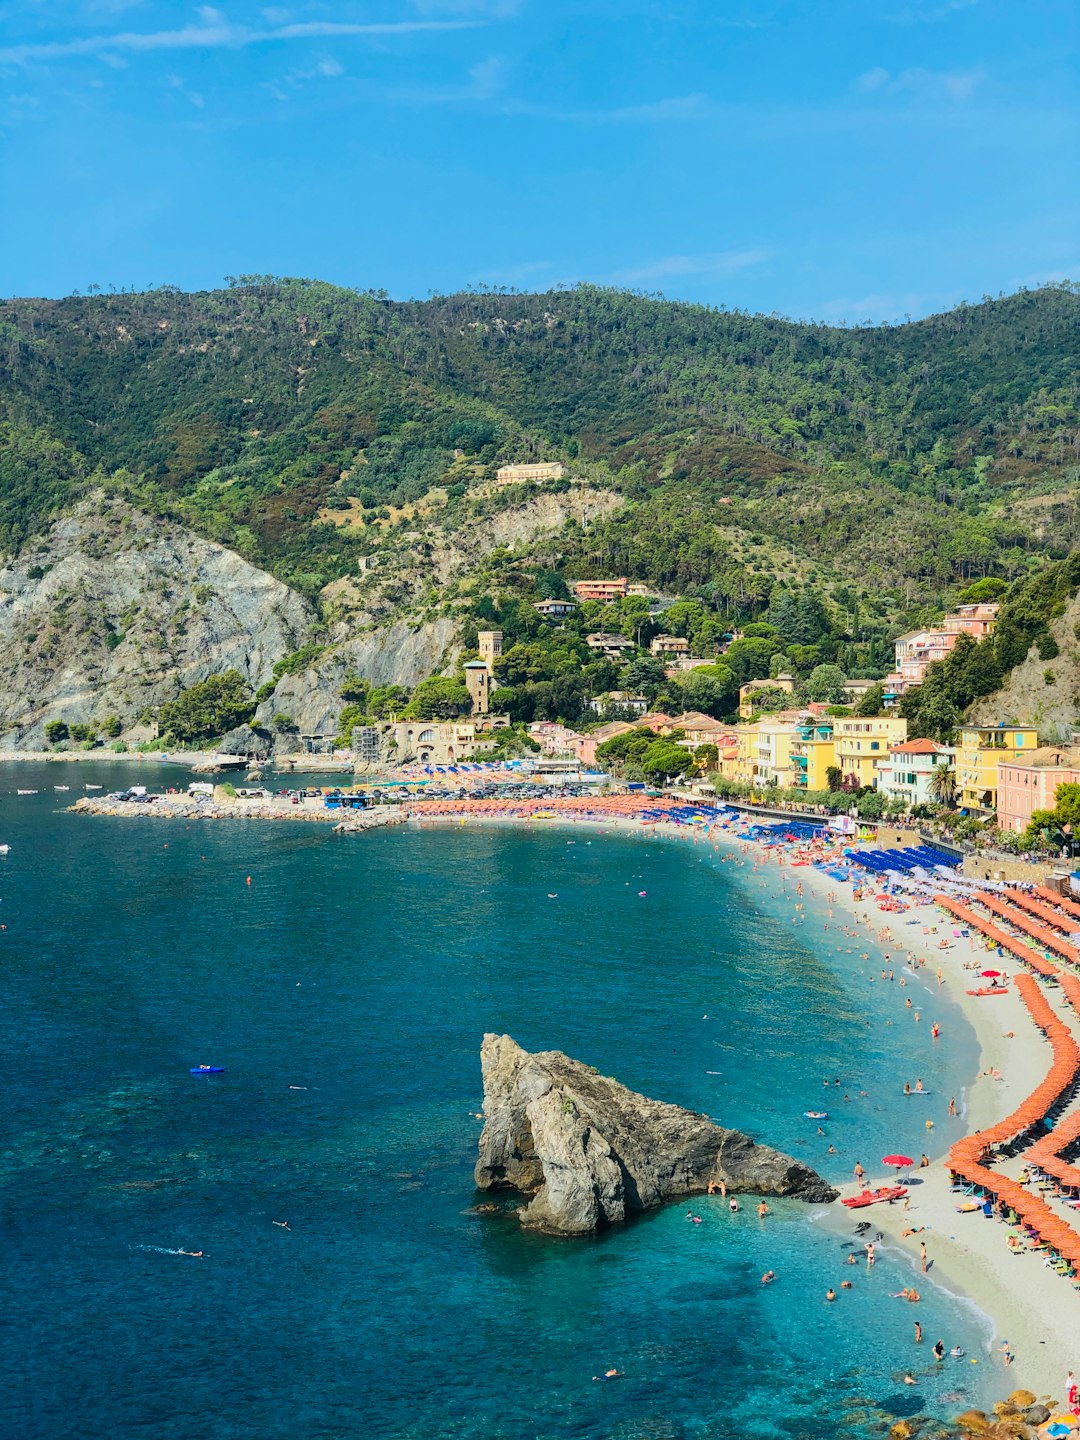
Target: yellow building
764 754
981 750
862 741
813 752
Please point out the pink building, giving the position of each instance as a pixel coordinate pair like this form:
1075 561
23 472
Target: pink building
916 651
1027 785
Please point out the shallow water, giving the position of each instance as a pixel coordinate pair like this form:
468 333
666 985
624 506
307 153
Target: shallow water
365 970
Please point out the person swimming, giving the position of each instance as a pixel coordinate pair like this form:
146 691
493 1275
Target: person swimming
830 1295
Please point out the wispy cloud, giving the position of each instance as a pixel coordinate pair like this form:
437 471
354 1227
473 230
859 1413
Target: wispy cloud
214 32
728 262
922 84
884 308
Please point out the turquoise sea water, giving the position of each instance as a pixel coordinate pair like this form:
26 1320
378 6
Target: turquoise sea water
365 969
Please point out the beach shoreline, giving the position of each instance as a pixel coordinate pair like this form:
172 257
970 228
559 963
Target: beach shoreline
968 1256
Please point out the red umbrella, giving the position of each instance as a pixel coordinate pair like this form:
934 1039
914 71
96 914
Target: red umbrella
897 1161
989 974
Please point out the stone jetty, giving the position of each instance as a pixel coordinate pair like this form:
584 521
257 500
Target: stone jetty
185 807
588 1152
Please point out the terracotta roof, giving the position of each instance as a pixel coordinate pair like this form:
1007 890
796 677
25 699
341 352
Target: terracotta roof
918 747
1048 757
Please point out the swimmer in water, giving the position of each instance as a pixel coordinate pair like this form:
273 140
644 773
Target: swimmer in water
733 1205
195 1254
768 1277
611 1374
918 1333
852 1259
281 1224
909 1379
762 1209
939 1350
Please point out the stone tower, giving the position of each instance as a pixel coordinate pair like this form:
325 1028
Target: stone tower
489 643
479 680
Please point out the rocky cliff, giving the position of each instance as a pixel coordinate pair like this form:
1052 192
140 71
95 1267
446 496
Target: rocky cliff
589 1152
111 611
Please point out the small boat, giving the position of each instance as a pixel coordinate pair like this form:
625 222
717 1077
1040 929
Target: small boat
208 1069
93 787
26 792
872 1197
61 787
4 849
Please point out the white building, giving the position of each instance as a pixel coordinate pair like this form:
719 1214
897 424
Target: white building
907 772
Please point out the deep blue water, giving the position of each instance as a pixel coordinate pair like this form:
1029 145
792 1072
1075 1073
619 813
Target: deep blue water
366 969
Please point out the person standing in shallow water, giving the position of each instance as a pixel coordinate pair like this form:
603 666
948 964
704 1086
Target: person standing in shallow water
859 1172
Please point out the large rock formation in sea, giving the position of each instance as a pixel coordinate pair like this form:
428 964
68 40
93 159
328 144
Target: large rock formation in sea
589 1152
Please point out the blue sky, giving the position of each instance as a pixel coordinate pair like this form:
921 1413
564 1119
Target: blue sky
863 159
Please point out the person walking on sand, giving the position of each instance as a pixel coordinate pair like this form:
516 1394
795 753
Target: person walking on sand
923 1258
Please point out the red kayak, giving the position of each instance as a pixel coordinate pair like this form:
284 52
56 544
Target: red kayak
871 1197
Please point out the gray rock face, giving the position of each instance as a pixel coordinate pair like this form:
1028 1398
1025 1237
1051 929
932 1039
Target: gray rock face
112 611
589 1152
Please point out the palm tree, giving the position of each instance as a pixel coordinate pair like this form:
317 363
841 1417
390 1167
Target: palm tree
943 785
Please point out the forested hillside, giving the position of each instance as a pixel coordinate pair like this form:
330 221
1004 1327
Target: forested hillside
909 458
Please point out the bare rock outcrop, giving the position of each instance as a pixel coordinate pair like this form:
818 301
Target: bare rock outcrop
589 1152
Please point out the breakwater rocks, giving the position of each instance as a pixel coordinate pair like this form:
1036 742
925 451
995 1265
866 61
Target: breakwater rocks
183 807
589 1152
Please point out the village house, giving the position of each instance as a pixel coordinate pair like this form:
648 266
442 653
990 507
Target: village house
612 646
980 753
555 609
1031 784
813 753
906 774
862 741
587 745
618 700
669 645
554 738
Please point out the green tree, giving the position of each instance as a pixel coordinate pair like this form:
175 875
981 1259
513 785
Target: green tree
834 778
825 683
208 709
56 731
943 785
111 726
643 676
664 760
438 698
872 702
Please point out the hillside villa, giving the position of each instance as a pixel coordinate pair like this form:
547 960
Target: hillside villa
555 609
916 651
603 590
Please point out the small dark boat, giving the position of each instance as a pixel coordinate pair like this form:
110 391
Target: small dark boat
208 1069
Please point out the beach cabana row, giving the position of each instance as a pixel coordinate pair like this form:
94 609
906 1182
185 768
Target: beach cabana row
1046 1153
997 935
1053 918
971 1156
1070 907
1023 922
